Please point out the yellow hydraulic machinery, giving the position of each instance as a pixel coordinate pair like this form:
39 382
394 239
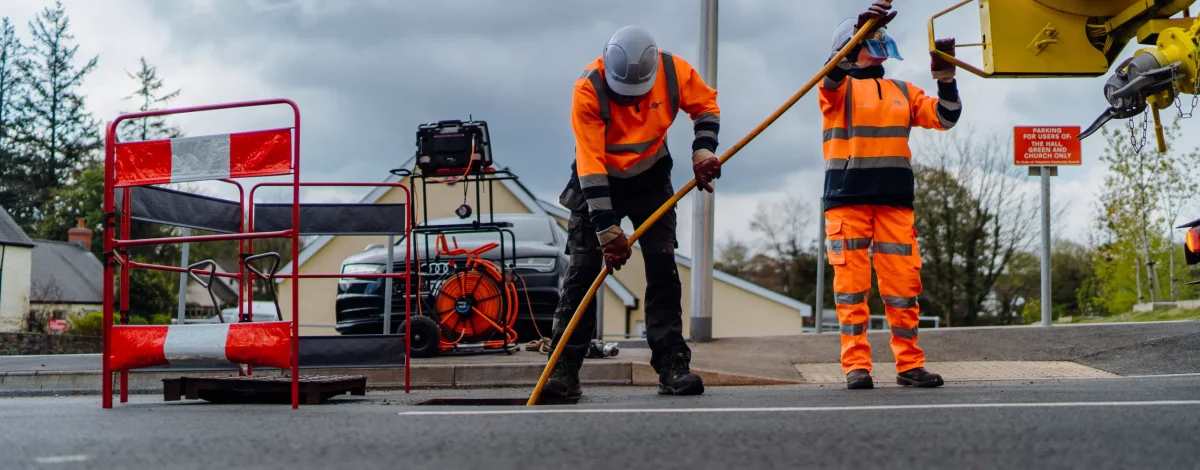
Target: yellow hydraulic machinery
1082 38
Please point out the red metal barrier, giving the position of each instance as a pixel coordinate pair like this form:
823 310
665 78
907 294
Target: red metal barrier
213 158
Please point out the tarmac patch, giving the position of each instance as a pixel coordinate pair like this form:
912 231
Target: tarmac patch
964 371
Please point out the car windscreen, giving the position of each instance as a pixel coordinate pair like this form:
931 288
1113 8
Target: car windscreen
525 229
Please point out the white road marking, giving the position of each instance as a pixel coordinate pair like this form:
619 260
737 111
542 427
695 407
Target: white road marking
61 459
558 409
1158 376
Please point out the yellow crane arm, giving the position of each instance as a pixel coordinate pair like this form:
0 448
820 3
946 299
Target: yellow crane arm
1082 38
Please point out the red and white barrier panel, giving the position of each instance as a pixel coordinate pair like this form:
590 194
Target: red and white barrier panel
255 343
237 155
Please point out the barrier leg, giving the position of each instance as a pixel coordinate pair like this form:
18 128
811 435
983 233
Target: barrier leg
858 37
124 386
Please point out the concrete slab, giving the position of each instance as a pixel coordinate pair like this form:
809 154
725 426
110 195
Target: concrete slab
968 371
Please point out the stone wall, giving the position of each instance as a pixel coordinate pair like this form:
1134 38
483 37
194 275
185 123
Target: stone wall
13 344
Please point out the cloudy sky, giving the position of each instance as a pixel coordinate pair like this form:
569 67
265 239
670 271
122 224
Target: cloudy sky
365 73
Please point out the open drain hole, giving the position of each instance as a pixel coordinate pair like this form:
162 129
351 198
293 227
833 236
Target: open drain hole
497 401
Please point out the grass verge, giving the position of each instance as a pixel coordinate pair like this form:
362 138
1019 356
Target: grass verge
1173 314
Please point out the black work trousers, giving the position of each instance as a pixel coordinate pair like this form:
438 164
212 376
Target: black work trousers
636 197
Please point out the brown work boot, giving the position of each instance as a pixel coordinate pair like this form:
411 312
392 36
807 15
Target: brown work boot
859 379
919 377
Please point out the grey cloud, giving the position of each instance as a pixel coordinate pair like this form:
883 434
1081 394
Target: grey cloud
381 68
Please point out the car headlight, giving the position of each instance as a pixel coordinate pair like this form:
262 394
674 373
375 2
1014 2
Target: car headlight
542 265
362 268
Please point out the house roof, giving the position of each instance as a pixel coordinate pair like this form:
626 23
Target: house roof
537 206
65 273
11 233
804 309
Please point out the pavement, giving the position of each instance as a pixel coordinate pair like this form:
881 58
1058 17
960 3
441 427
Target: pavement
963 354
1149 348
1064 423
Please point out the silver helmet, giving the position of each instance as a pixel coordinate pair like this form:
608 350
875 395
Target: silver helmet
631 61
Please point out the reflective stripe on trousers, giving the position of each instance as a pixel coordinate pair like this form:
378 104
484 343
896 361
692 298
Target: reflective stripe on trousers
856 237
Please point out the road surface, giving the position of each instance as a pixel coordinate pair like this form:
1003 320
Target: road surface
1088 423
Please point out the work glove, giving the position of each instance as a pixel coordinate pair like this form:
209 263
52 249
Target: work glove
879 9
706 167
942 69
615 247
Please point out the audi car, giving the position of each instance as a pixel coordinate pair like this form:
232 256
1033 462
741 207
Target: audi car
539 260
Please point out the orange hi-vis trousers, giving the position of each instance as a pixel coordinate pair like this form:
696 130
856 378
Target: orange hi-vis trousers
856 236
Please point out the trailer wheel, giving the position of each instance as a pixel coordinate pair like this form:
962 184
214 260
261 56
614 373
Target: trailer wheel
425 336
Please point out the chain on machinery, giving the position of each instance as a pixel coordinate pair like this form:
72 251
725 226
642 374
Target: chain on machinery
1138 146
1195 95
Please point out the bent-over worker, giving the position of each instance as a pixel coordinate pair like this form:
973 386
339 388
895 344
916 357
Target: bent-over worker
869 188
623 104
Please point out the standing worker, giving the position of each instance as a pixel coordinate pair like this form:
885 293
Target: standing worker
869 191
623 104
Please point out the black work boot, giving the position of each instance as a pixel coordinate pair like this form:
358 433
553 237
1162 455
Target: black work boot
919 377
675 376
859 379
564 380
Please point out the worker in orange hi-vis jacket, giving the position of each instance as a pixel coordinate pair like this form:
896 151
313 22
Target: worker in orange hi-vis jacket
623 104
869 192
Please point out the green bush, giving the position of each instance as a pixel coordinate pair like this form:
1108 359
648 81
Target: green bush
160 319
91 324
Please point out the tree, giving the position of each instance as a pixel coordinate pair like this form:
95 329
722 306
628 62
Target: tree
971 218
779 256
62 136
1143 194
1073 272
13 168
149 99
1017 285
12 59
734 258
1178 190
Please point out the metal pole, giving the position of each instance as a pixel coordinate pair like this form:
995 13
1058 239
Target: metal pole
387 288
183 279
819 305
1047 314
702 223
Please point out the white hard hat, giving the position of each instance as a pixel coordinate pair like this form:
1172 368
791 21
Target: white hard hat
631 61
882 48
842 35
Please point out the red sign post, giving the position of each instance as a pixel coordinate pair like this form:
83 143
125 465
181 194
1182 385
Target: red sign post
1046 146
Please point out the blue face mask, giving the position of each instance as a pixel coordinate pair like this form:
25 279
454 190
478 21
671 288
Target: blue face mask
882 48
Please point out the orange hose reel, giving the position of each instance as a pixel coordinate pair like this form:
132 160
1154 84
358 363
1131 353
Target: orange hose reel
475 304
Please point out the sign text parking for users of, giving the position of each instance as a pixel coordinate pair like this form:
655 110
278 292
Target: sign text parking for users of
1046 146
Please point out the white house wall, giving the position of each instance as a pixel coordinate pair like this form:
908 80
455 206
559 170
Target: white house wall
14 288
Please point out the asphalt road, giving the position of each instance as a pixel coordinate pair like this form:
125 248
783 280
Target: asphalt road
1093 424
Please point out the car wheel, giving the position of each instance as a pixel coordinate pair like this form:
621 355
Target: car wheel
425 336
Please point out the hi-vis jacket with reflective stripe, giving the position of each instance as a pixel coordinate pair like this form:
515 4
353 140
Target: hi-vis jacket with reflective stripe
866 130
624 141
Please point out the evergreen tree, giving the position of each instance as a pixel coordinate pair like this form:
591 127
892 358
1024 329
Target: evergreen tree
62 137
12 59
12 166
147 95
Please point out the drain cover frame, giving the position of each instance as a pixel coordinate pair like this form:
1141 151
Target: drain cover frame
475 401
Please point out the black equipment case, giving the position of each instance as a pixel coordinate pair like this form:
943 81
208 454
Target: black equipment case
453 147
